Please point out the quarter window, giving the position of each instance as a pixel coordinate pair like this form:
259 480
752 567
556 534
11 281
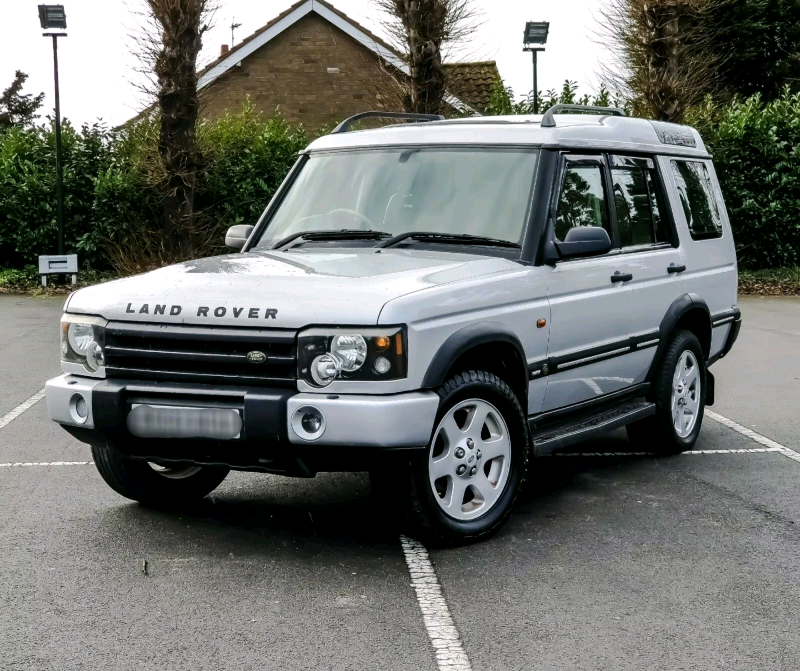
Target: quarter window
698 199
639 214
583 199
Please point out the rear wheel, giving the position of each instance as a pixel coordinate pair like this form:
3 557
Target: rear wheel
464 485
680 388
154 484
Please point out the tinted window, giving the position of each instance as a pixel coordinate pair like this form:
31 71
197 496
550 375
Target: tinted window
637 204
583 200
698 200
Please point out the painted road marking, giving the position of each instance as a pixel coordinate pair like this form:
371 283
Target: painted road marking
450 654
9 417
48 463
752 435
750 450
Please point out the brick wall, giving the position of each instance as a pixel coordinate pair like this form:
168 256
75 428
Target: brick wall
291 74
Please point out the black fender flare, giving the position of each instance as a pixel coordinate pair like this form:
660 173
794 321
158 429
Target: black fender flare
465 339
680 306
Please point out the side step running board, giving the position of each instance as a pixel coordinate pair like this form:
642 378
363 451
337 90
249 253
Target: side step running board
589 425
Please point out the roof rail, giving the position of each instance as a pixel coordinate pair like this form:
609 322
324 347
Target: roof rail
408 116
549 122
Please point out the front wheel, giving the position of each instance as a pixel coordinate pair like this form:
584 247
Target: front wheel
152 484
680 388
465 484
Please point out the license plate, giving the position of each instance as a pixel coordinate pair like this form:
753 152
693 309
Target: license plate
170 421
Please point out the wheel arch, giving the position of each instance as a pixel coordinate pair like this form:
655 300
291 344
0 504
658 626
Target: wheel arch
689 312
489 346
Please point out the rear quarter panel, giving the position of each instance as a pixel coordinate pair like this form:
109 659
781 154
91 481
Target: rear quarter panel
711 269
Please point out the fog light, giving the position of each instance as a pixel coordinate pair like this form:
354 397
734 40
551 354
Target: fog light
308 422
311 422
78 408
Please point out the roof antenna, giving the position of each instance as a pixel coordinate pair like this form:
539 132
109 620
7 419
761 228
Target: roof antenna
234 26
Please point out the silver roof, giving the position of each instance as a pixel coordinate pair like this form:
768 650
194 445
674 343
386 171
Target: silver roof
573 131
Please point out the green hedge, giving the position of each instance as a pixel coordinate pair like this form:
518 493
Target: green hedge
756 150
27 191
111 199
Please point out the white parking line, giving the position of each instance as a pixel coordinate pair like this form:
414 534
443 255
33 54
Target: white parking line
450 655
752 435
656 454
9 417
48 463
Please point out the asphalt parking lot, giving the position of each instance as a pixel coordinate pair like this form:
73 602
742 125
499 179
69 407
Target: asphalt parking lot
612 560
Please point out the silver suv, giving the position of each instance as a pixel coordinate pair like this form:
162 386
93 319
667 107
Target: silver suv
436 302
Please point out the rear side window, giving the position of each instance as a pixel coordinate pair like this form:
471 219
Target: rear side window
583 199
698 199
637 202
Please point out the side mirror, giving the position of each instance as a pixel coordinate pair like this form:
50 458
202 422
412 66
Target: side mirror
237 236
584 241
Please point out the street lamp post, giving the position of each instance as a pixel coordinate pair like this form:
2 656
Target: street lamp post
534 40
53 16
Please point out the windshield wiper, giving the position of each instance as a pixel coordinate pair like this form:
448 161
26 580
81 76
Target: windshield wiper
343 234
448 238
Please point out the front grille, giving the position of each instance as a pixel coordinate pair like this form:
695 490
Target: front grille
200 354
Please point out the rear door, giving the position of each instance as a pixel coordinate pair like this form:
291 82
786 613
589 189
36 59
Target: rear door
588 353
649 244
707 241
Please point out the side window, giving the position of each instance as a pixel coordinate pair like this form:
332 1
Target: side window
698 200
636 198
583 199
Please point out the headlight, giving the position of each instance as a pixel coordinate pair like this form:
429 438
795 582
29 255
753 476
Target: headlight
82 341
366 354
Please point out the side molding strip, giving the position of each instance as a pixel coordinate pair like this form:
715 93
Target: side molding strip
555 364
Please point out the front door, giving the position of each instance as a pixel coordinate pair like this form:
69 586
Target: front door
589 351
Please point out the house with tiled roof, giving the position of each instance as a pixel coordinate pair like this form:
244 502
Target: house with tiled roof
316 66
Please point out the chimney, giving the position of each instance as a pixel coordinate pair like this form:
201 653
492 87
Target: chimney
223 50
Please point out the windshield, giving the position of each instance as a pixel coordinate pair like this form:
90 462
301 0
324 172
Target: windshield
481 192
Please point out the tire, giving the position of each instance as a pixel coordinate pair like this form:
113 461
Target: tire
660 433
153 485
481 446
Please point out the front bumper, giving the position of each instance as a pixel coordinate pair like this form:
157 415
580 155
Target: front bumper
95 410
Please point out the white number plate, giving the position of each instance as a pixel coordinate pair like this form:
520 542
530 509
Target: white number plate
170 421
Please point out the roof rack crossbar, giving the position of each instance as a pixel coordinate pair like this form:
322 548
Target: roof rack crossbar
549 122
407 116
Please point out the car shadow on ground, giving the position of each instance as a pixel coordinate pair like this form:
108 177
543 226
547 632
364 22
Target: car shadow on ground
253 512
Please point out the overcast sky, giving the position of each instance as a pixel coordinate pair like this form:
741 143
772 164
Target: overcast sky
96 61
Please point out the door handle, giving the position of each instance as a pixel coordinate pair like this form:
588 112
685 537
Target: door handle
672 268
621 277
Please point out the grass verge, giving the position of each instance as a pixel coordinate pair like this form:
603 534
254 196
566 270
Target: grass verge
776 282
27 281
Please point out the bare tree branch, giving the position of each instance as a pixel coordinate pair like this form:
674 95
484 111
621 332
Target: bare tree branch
661 57
420 30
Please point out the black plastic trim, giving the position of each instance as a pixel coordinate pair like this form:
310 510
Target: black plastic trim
733 334
210 332
722 318
610 350
546 179
552 416
465 339
680 306
590 425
